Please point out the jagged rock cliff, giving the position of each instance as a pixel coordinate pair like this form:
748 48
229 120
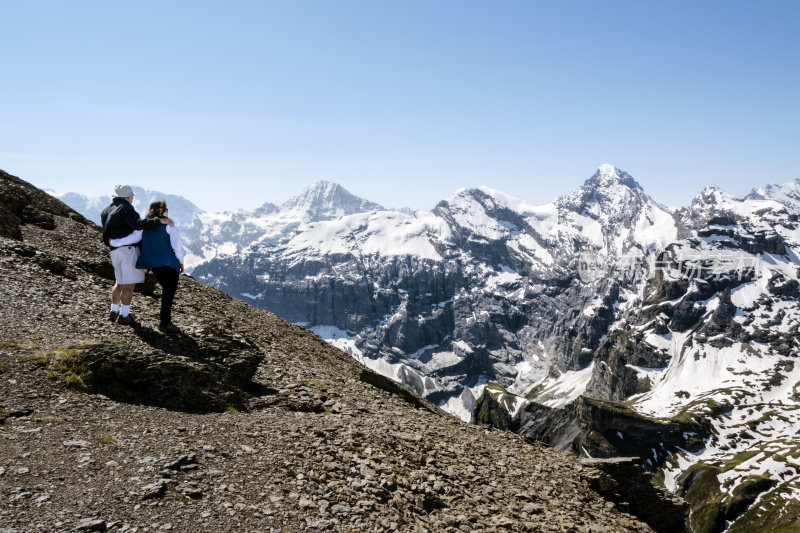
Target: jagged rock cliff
107 427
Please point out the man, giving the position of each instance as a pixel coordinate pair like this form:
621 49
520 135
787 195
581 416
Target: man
120 220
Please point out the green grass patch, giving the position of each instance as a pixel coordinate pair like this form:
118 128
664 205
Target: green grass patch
496 387
317 384
69 363
712 505
535 392
24 345
41 361
178 496
658 478
705 498
738 459
621 408
766 417
773 513
37 359
702 408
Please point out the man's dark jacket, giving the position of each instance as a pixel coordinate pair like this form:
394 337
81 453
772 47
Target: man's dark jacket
120 219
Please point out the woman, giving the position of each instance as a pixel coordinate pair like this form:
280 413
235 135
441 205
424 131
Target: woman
162 252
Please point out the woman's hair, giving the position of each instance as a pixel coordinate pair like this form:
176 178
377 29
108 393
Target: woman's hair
157 209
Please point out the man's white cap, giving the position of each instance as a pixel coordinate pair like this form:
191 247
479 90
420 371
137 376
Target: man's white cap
123 191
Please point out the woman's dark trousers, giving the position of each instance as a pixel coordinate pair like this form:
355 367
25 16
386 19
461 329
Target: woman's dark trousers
168 279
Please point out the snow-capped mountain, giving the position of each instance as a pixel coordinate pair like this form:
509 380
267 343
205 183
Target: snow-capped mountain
787 194
181 210
208 234
226 234
481 288
325 200
705 365
728 296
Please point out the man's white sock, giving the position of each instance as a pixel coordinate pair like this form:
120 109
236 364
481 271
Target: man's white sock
124 310
115 308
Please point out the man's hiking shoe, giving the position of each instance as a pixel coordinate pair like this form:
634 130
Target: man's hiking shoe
127 320
168 328
113 316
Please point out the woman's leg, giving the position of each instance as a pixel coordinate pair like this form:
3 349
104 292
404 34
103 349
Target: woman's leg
168 279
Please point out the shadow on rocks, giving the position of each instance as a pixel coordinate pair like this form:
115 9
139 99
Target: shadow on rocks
209 371
173 343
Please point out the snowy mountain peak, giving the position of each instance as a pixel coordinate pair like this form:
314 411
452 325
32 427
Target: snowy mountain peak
786 193
181 209
319 191
325 200
612 212
470 195
607 169
608 175
609 192
711 194
712 197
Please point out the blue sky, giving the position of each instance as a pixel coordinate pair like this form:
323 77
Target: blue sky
235 103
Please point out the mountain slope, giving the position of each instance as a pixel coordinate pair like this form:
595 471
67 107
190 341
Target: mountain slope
326 444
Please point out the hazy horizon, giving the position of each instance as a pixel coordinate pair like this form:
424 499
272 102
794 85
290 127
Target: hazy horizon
279 201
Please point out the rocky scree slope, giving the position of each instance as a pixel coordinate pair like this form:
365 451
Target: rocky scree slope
243 422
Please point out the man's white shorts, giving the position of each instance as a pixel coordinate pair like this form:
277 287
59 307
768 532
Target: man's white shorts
124 261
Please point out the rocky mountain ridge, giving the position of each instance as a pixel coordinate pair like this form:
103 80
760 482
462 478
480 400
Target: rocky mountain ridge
242 422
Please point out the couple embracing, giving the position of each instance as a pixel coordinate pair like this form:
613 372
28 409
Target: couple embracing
137 244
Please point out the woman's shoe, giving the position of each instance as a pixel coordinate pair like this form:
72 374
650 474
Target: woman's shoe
168 328
127 320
